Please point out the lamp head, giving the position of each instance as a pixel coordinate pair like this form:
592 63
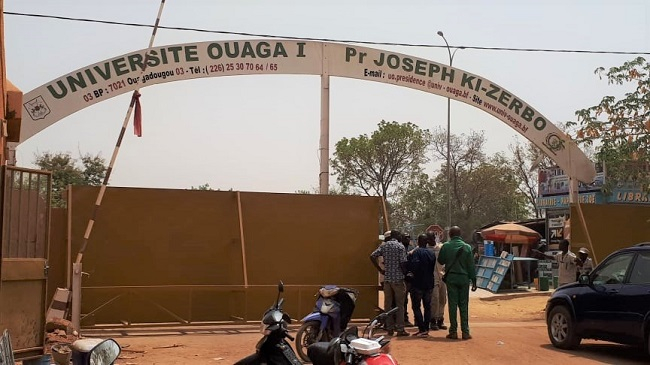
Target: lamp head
440 33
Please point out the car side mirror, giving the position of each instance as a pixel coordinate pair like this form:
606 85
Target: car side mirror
95 351
584 280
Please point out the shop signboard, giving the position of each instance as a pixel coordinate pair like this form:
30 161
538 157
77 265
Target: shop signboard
562 201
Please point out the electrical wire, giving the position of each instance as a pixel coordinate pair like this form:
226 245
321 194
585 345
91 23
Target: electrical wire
186 29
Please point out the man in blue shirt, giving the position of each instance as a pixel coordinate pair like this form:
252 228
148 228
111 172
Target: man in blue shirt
394 255
421 264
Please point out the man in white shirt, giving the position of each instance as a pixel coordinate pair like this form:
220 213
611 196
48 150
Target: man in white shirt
567 265
439 297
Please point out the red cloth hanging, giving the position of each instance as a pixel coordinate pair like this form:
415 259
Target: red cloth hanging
137 118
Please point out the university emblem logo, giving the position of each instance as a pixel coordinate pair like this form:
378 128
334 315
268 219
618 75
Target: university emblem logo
554 143
37 108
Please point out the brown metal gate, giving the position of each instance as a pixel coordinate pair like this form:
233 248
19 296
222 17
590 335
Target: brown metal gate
23 265
190 256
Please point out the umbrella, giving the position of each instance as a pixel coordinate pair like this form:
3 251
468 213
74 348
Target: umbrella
510 233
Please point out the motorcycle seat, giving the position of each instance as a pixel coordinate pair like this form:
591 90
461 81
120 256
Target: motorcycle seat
322 353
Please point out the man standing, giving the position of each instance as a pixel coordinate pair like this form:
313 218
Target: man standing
439 296
406 241
584 263
457 257
567 265
394 255
421 263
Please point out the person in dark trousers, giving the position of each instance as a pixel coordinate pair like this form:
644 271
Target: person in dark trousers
406 241
457 257
394 255
421 264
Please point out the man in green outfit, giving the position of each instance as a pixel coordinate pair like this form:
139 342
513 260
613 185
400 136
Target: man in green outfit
457 257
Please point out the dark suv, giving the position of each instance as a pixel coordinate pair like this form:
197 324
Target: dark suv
610 304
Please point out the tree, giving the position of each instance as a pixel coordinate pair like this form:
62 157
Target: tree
417 203
66 170
205 186
483 189
619 127
526 160
375 165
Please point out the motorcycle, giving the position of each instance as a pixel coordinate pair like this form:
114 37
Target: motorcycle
333 310
273 349
350 349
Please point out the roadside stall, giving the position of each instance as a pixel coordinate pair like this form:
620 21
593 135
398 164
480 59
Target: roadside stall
518 240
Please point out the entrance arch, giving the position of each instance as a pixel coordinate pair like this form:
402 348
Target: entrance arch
65 95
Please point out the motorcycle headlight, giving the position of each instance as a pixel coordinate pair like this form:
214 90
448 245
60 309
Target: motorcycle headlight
277 316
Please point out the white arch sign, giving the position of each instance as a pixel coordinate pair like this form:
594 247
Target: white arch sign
86 86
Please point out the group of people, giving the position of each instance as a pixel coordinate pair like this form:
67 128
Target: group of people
433 274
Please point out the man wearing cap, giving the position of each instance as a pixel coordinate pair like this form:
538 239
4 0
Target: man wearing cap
394 255
584 262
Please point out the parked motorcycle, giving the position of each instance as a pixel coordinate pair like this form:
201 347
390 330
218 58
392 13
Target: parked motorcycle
333 310
349 348
273 349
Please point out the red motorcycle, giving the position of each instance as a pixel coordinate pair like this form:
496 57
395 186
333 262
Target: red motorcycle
349 348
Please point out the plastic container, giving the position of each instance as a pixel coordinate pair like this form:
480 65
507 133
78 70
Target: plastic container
543 283
365 346
489 248
556 282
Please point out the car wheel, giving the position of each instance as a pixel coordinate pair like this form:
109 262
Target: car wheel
561 328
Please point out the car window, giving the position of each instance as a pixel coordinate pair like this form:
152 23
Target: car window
640 273
614 270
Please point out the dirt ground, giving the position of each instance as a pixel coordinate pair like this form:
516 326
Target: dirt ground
504 331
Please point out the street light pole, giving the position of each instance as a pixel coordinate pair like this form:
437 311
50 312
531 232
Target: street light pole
451 61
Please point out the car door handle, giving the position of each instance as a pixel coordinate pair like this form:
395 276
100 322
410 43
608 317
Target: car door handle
612 291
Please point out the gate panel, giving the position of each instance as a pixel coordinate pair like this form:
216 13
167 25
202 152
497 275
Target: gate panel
23 268
161 256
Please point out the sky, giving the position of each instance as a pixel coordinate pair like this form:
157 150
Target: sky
261 133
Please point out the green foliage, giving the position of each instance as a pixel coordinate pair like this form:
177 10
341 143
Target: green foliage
483 189
374 164
205 186
526 161
67 170
619 127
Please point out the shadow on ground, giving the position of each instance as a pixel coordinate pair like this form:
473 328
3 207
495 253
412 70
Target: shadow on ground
607 353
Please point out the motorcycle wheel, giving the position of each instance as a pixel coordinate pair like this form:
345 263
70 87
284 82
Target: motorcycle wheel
307 335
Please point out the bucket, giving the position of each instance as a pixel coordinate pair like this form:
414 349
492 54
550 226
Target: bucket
489 248
556 282
543 283
61 354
